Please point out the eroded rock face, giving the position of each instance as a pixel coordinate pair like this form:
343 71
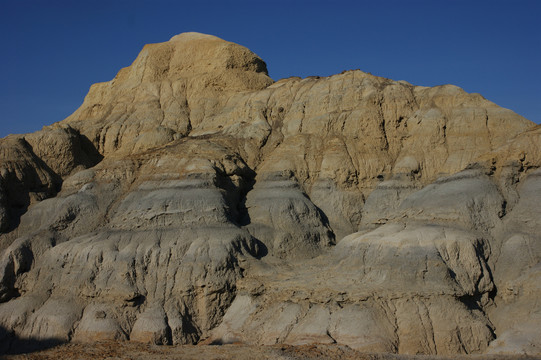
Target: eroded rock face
193 199
24 179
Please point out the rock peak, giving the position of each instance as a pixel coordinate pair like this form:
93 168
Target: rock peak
186 36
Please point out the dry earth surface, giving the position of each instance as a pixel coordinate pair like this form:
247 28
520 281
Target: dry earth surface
138 351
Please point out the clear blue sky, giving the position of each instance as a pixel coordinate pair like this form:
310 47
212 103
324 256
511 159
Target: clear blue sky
52 50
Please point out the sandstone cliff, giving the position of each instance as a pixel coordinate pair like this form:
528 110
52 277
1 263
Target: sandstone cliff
193 199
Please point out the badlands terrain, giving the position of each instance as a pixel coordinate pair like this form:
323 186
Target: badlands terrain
194 200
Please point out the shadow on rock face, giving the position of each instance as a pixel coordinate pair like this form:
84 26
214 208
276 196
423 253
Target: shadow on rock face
13 345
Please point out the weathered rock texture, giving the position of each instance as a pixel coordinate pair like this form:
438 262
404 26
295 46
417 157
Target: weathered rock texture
193 199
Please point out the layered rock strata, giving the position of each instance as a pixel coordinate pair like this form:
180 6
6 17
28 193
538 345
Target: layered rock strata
193 199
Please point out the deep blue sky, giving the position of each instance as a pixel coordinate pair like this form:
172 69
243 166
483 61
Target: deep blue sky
52 51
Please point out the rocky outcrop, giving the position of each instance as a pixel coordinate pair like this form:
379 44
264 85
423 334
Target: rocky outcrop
24 179
168 90
193 199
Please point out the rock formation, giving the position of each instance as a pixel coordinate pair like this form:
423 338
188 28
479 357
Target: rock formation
193 199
